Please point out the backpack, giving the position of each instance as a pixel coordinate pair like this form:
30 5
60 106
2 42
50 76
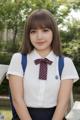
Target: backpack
24 64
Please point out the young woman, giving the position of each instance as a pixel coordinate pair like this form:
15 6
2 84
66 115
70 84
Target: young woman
39 94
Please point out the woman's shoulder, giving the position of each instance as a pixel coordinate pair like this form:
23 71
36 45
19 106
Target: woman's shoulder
67 59
68 62
69 71
16 56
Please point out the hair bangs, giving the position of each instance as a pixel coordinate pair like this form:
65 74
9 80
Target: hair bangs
40 21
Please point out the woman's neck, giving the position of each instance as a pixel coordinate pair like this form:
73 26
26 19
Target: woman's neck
43 53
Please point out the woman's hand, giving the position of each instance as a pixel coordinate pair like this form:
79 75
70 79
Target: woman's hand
63 99
16 87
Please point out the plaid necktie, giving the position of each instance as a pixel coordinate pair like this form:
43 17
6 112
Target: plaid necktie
43 67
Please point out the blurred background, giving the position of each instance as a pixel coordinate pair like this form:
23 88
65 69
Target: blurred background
12 18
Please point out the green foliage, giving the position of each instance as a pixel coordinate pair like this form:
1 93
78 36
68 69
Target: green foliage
73 30
1 45
72 49
11 47
75 4
5 57
4 87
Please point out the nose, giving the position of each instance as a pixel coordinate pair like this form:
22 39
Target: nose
39 35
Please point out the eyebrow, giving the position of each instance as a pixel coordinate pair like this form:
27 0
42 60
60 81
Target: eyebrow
39 28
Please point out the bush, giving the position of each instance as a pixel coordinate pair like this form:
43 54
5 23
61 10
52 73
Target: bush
4 87
72 49
11 47
5 57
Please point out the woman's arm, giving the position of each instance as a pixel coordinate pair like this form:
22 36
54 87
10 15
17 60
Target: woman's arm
16 87
63 99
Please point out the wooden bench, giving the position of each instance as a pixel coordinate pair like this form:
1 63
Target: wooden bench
74 113
3 70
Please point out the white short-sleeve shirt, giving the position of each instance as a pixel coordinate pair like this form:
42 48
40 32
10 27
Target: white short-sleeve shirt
41 93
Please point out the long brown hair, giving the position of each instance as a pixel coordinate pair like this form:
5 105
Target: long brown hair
38 19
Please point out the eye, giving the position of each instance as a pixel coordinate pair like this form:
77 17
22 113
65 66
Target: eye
32 31
46 29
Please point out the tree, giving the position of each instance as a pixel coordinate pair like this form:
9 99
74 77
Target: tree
13 14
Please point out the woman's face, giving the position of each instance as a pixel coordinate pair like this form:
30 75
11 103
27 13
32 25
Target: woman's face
41 39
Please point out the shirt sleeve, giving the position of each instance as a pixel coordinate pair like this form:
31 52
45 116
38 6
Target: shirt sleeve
69 70
15 67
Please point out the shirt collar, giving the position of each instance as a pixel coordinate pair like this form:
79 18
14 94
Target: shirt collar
51 56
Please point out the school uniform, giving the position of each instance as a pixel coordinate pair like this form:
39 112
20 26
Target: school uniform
40 96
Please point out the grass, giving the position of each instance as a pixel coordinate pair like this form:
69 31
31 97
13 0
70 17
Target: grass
6 112
5 108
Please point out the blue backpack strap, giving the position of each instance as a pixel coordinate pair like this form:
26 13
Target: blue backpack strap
60 65
24 62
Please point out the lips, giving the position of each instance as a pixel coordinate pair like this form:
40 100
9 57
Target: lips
40 43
